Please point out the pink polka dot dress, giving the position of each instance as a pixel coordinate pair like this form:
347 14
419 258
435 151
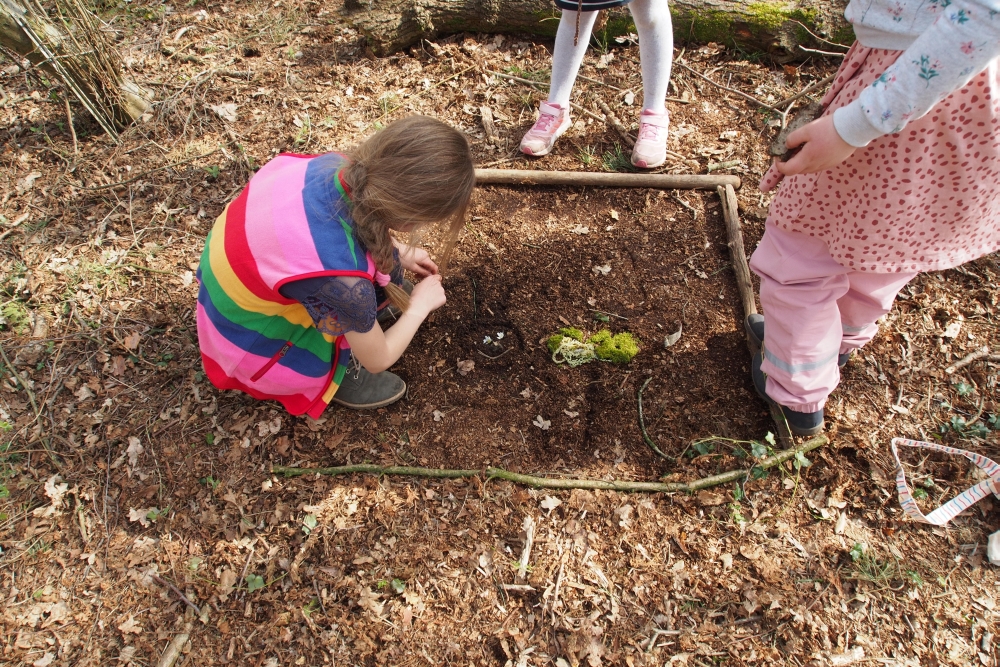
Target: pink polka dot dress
926 198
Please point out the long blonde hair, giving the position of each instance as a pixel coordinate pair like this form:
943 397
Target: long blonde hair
416 171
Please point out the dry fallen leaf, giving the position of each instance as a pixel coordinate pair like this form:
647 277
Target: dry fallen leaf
550 503
543 424
465 366
130 626
132 341
226 112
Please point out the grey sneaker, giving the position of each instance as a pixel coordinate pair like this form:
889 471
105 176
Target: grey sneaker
362 390
390 313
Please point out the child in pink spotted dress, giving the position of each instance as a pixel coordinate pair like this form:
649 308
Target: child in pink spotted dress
901 174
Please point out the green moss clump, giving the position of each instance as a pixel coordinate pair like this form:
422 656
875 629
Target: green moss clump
566 332
618 349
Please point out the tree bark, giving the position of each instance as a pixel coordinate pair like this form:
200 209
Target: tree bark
775 28
77 55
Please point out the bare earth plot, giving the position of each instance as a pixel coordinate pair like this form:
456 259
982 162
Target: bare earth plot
139 503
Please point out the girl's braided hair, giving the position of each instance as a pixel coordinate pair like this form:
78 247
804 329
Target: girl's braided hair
416 171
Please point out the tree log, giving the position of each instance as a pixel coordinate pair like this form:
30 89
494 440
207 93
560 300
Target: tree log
774 28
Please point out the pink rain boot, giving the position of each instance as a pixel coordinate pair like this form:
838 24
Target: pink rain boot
552 121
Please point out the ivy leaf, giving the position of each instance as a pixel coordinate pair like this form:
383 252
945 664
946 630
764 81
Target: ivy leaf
309 523
801 461
758 449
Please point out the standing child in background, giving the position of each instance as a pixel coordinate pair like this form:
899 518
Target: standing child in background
656 50
900 175
293 272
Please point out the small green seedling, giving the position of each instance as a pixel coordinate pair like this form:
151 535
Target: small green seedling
255 582
155 514
209 481
213 171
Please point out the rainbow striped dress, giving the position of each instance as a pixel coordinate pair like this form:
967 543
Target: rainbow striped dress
292 221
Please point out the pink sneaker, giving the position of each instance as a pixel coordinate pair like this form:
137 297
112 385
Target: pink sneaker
651 146
552 121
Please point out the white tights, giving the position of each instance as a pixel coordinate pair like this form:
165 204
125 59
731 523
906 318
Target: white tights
656 50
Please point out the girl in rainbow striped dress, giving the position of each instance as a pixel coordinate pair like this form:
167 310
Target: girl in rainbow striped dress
301 267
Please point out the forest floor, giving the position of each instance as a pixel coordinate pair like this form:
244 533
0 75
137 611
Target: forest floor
139 504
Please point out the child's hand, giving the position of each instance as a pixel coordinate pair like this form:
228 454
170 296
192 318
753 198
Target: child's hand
428 295
417 261
822 148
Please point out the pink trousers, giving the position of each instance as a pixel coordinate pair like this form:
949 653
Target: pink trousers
816 309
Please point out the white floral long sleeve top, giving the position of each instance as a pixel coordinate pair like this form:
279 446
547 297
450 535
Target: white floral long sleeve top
945 43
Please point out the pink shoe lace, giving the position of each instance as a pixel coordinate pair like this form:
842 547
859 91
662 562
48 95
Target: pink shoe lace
552 122
651 145
543 123
648 132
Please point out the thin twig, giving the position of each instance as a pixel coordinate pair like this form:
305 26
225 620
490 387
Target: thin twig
805 91
984 351
147 173
835 54
72 130
642 426
540 482
750 98
177 591
19 380
820 39
615 123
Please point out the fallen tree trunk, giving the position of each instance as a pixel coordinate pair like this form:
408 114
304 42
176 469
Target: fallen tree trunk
72 49
775 28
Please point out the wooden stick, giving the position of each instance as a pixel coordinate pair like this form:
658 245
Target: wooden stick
615 123
984 351
599 179
558 483
174 648
736 249
72 130
529 540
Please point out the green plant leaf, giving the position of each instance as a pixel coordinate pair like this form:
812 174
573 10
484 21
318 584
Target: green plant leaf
255 582
963 388
801 461
758 449
309 523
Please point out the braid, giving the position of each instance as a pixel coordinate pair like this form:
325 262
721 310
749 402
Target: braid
416 171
